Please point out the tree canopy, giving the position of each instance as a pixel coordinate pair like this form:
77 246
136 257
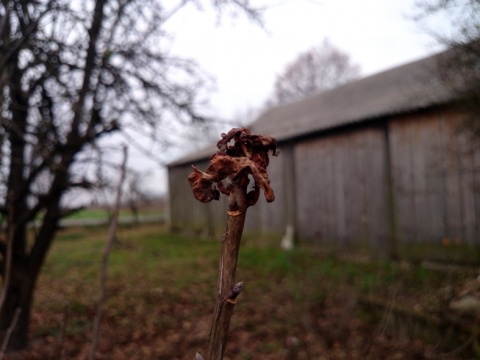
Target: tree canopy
460 67
317 69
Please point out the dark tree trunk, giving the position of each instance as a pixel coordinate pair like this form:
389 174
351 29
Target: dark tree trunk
19 297
22 263
24 272
18 284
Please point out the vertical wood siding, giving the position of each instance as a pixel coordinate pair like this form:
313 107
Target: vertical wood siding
411 179
340 188
186 213
435 170
270 217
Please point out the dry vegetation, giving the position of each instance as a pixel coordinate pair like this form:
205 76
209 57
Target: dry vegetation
161 287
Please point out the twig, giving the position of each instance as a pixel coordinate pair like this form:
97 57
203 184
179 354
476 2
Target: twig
236 163
6 339
106 254
63 334
221 323
226 280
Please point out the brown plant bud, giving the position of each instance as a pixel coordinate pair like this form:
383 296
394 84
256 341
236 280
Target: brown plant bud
240 154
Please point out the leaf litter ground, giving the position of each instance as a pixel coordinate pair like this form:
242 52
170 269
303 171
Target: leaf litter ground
161 291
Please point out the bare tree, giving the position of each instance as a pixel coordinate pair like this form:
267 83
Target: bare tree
460 66
70 73
318 69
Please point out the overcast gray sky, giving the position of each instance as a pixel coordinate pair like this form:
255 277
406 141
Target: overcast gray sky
245 59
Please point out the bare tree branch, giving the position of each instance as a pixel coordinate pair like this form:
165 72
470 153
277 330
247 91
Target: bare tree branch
112 233
459 67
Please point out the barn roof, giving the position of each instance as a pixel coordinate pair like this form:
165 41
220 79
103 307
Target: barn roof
406 88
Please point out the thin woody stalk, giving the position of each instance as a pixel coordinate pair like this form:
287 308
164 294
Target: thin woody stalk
227 290
240 155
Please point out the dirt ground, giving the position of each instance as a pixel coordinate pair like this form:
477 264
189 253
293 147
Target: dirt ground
295 305
329 331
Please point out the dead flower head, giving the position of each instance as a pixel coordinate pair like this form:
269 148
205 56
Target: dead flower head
240 154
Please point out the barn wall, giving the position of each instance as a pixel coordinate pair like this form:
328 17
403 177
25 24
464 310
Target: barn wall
188 214
270 217
435 168
341 187
411 179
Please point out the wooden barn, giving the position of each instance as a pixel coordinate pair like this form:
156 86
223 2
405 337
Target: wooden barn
378 164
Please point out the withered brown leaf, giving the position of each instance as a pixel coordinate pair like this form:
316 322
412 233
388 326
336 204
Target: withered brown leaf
240 154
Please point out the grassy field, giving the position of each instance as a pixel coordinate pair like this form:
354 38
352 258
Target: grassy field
97 213
300 304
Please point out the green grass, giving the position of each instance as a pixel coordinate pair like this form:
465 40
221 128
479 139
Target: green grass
161 285
90 214
104 213
459 253
161 257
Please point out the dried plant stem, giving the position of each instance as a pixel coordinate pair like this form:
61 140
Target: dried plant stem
63 333
242 157
226 283
112 232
